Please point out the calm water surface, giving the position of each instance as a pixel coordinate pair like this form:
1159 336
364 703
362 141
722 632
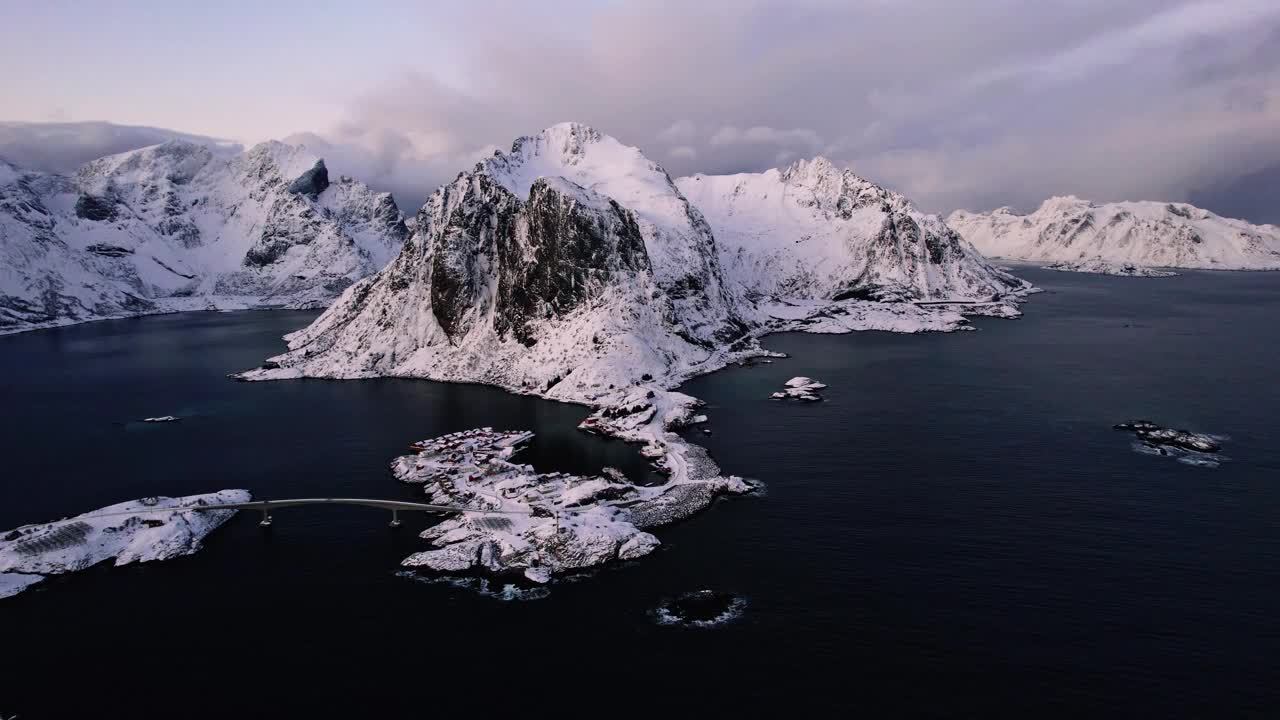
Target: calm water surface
957 530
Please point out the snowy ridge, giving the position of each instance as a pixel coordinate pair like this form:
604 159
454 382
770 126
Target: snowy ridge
1140 234
815 232
181 226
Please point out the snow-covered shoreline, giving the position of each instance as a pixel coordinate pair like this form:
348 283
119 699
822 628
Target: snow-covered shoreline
169 306
135 531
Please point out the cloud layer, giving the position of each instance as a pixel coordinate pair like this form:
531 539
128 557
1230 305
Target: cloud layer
63 147
975 104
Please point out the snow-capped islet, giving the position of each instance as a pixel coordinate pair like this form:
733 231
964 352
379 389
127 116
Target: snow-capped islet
183 226
1122 237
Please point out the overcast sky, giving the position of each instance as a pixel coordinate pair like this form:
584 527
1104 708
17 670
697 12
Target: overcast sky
969 104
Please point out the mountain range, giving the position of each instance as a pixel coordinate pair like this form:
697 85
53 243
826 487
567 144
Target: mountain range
185 226
573 265
1121 238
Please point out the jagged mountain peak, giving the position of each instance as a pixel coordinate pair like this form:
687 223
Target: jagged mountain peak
582 154
174 161
275 159
810 169
566 139
814 231
1064 203
677 238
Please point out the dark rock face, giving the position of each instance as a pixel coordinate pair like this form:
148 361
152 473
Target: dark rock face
477 212
312 182
97 209
387 214
266 251
290 222
548 255
567 254
106 250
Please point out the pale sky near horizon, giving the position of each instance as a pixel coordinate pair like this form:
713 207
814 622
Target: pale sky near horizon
241 70
973 104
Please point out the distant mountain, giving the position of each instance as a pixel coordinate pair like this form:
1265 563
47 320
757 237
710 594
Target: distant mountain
1078 234
812 231
181 226
62 147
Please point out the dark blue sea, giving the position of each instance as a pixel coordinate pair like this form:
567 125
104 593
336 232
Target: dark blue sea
956 531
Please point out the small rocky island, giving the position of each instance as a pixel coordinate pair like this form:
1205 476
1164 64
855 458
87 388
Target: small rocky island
1105 267
1154 434
700 609
800 388
1186 446
517 520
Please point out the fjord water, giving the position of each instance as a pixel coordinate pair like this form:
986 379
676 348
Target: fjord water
955 530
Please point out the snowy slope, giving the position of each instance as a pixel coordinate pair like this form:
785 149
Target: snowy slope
180 226
812 231
1141 234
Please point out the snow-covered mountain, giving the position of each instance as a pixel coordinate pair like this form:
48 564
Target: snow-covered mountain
813 231
524 273
181 226
1075 233
573 265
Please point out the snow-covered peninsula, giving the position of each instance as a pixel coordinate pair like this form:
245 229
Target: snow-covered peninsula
1122 238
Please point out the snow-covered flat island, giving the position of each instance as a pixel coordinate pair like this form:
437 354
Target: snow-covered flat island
1105 267
135 531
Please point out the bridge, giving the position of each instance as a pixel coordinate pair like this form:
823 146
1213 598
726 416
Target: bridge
266 506
395 506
